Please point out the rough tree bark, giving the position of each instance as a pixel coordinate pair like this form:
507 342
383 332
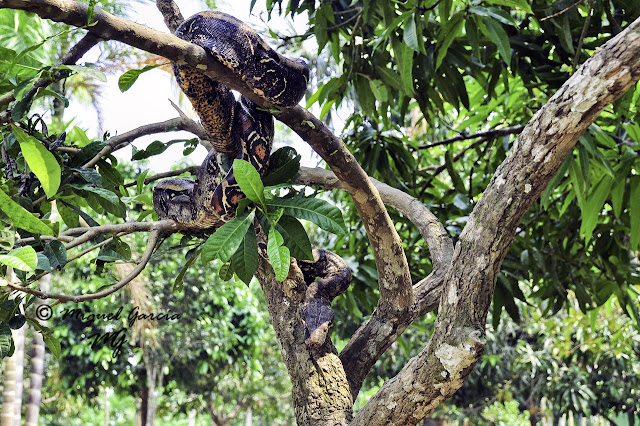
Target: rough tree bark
36 368
12 392
324 385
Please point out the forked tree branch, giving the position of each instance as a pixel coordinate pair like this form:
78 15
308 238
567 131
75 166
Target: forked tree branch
457 341
369 342
141 264
120 141
393 270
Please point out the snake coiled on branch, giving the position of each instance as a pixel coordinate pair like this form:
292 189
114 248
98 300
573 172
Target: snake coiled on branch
241 129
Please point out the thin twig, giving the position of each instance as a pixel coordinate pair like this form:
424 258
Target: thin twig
120 141
562 11
74 54
493 133
142 263
583 34
159 176
87 234
90 249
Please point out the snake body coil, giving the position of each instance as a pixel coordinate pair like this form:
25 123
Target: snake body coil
237 128
242 130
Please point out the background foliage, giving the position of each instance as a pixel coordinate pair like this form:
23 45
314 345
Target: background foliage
429 95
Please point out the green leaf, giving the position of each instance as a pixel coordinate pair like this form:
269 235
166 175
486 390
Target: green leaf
23 259
284 165
406 71
87 152
516 4
17 322
498 35
634 211
245 259
320 212
43 263
295 237
379 90
249 180
88 71
593 206
448 32
225 272
68 215
140 181
497 14
410 35
89 175
6 340
122 248
178 284
155 148
105 194
56 252
226 240
127 79
21 218
278 255
48 92
41 162
53 344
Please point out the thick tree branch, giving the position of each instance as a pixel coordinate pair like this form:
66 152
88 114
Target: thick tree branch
393 270
172 16
377 334
320 387
457 341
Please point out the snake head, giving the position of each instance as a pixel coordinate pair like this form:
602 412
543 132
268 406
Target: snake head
170 194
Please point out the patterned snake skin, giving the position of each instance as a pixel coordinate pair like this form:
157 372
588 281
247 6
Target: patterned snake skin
240 129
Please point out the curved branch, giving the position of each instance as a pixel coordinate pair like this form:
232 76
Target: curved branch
120 141
163 175
457 341
486 134
378 333
88 234
396 296
142 263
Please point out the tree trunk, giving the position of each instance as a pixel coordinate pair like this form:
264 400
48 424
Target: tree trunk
106 408
9 393
37 365
12 394
192 417
144 404
18 338
320 391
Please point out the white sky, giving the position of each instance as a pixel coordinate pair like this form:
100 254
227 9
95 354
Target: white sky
147 101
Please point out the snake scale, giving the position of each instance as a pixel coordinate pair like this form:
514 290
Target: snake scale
240 129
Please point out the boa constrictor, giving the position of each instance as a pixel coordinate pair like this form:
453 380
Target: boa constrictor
240 129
